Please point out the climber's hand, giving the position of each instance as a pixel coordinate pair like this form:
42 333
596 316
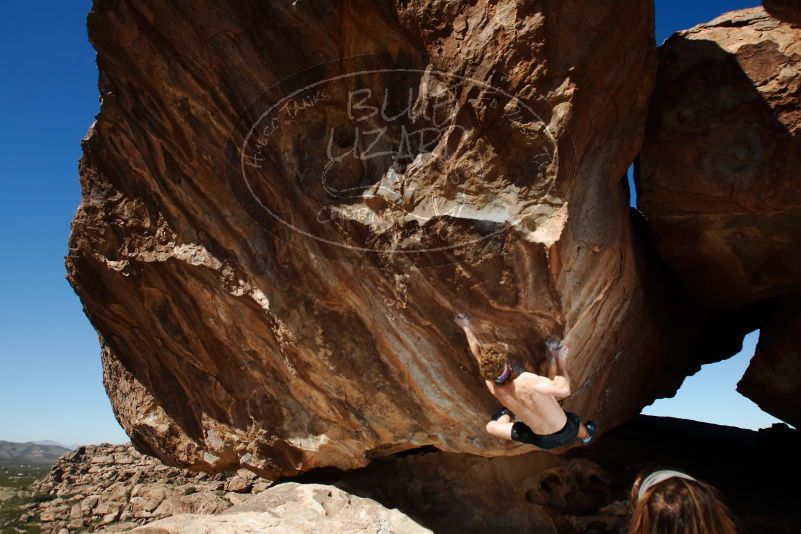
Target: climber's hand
557 348
462 320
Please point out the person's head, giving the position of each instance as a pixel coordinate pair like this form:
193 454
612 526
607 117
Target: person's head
492 364
672 502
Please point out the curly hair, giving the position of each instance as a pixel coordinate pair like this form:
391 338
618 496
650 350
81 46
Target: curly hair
491 361
680 506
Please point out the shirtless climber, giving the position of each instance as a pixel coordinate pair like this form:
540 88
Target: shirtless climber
531 399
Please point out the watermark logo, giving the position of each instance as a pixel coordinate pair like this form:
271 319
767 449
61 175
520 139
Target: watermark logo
364 156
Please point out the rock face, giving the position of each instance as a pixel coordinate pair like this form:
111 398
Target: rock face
785 10
284 203
114 488
535 492
773 379
294 508
718 181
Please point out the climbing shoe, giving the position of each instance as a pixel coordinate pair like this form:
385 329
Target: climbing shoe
590 432
501 413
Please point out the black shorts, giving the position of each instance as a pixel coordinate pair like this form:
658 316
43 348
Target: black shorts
522 433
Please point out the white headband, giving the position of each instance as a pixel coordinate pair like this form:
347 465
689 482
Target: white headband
659 476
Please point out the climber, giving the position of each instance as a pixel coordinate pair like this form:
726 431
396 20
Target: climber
531 399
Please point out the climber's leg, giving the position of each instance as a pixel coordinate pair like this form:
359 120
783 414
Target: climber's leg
567 435
499 429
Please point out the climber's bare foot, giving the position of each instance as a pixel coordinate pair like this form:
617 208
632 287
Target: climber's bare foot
462 320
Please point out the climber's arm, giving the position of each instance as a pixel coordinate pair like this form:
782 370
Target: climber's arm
475 347
464 322
557 372
558 387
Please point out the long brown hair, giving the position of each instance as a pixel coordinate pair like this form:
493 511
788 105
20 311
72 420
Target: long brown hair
679 506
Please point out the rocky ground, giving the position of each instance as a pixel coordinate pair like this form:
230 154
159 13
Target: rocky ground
293 508
113 488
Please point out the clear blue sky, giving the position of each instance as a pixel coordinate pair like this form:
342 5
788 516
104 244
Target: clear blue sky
51 385
709 395
50 381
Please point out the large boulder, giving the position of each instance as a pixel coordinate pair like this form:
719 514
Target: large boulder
293 508
786 10
773 379
284 204
718 182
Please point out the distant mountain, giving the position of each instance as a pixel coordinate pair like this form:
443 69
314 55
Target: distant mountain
50 442
30 453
